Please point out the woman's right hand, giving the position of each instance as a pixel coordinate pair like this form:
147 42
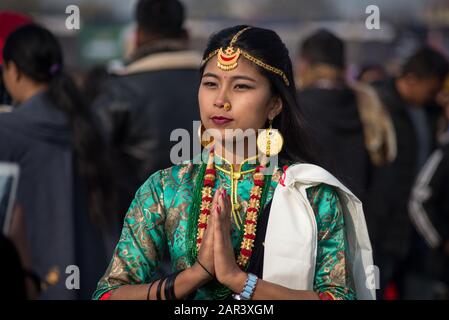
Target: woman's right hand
206 252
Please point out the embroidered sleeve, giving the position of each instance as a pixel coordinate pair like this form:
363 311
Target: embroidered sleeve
333 281
142 241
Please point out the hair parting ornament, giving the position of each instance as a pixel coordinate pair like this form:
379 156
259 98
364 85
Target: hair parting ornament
227 59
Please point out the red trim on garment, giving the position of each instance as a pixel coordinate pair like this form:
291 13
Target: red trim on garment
282 180
105 296
326 296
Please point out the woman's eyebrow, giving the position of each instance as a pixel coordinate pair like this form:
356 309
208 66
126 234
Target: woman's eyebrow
240 77
213 75
236 77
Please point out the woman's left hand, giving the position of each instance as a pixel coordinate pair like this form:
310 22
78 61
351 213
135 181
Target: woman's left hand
226 268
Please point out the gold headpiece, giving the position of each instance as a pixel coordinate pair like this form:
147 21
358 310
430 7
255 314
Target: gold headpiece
228 59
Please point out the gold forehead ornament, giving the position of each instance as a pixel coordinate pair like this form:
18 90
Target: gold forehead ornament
227 59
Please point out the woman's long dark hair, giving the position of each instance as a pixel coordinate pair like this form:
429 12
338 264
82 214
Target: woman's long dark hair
38 55
267 46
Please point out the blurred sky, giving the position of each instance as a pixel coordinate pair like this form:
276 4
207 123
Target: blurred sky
393 10
405 24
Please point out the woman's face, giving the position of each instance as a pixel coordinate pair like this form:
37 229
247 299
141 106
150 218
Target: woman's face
245 88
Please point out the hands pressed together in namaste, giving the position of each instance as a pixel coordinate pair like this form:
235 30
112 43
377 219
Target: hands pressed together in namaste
216 253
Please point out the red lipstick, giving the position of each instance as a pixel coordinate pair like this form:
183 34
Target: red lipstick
219 120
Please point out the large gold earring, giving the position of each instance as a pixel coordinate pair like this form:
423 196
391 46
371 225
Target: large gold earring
270 141
206 139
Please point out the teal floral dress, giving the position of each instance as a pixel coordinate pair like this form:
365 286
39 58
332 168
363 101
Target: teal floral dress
158 217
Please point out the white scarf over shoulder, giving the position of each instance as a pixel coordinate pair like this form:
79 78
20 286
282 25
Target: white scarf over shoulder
291 238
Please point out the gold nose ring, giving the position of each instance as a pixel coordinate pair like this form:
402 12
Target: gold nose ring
227 106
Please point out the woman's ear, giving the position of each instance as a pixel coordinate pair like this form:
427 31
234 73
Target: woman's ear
11 73
12 69
276 107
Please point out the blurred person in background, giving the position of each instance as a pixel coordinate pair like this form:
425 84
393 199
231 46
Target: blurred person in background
396 251
20 283
429 210
351 128
372 73
63 189
153 95
9 21
93 81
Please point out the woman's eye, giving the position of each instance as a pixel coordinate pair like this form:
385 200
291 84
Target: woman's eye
242 87
209 84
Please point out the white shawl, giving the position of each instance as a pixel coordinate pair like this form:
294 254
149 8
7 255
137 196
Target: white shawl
291 238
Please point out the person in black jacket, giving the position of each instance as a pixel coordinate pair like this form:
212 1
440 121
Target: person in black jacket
154 94
330 108
429 211
405 98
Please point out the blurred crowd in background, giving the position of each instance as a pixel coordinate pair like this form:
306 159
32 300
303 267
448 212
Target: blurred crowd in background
87 114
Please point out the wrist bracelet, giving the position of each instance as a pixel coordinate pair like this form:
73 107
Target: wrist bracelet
170 287
205 269
149 289
248 289
159 287
166 288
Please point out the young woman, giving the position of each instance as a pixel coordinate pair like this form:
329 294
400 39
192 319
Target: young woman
63 187
231 230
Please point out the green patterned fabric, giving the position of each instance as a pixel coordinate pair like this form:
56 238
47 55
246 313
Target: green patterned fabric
158 216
